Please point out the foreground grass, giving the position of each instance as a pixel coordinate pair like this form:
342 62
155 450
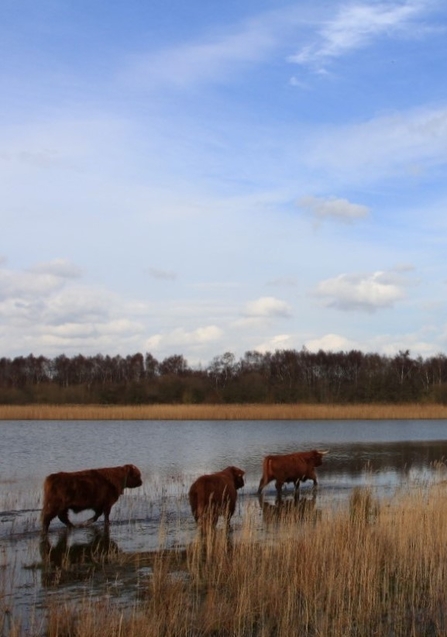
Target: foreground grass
366 571
409 411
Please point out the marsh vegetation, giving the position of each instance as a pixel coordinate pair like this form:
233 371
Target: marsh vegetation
271 412
370 568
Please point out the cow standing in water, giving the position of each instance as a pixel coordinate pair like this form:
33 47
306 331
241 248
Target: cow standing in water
215 494
292 467
96 489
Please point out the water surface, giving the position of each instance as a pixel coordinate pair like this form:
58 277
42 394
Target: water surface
383 455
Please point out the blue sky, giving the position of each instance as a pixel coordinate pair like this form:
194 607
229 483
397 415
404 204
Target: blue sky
202 177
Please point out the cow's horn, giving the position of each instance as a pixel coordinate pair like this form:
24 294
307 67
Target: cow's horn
323 453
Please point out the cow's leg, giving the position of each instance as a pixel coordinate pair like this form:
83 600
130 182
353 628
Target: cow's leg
278 486
229 512
296 493
262 483
63 517
106 512
98 513
313 476
47 516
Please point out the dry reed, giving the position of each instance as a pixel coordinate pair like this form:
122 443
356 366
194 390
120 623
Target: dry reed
411 411
370 570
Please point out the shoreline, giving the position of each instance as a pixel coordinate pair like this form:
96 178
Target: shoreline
371 411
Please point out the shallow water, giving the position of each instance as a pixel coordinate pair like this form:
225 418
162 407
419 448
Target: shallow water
383 455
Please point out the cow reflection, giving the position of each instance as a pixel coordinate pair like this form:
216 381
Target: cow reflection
69 560
90 555
295 509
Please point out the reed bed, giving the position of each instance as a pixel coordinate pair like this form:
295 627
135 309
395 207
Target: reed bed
411 411
370 570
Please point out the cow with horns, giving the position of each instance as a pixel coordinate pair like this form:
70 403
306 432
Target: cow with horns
292 467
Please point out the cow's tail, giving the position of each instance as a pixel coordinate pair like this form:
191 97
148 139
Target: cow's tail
266 474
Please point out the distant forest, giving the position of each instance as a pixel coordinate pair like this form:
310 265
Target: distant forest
285 376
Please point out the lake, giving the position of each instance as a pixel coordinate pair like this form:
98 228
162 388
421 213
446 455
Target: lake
381 455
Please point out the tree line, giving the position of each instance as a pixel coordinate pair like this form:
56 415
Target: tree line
283 376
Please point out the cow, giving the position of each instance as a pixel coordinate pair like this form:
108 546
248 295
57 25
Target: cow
96 489
214 495
292 467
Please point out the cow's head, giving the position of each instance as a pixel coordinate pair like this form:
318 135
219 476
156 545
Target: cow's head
238 476
318 457
133 476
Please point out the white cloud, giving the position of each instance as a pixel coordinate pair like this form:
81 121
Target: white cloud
198 62
27 285
381 148
80 304
330 343
365 292
43 310
114 327
218 54
278 342
294 81
180 337
355 25
267 307
333 208
58 267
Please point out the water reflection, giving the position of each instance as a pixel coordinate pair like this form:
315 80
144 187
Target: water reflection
72 559
296 509
76 557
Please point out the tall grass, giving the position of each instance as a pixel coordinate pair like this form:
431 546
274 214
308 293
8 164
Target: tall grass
367 570
225 412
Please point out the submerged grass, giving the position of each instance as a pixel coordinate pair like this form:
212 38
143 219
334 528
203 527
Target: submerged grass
407 411
369 569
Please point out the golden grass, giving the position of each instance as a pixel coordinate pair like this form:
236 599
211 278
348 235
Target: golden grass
371 570
412 411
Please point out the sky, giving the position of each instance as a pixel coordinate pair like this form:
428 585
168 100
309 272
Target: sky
200 177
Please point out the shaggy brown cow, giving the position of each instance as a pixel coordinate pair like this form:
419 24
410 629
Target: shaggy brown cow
292 467
215 494
96 489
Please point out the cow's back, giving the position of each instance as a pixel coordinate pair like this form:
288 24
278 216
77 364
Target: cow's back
210 489
213 495
78 490
287 467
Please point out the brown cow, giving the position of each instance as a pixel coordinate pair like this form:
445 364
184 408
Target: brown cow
96 489
215 494
292 467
